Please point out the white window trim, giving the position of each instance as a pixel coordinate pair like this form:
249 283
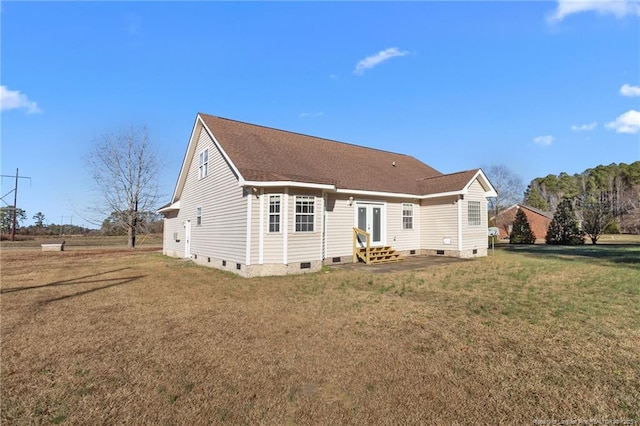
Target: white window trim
269 214
469 204
311 198
198 216
412 216
203 163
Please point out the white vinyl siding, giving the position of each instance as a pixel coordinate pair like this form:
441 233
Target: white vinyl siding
339 232
172 246
272 242
398 237
475 236
439 223
303 246
223 234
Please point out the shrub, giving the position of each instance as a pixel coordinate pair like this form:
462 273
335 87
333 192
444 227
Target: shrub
563 229
521 230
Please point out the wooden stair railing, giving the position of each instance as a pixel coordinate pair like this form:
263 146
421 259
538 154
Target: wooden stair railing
370 255
362 253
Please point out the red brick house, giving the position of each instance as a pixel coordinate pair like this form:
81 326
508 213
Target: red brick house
538 220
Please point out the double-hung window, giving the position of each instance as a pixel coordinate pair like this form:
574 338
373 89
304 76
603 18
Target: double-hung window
203 164
407 216
274 213
474 217
305 213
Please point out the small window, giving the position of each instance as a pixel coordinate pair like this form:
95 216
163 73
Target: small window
274 213
407 216
203 164
199 216
474 213
305 213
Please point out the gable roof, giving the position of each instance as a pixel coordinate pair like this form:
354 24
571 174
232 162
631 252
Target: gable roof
261 155
548 215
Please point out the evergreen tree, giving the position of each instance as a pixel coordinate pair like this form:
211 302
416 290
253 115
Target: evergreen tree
521 230
563 228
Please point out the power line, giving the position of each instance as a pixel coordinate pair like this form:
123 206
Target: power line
15 201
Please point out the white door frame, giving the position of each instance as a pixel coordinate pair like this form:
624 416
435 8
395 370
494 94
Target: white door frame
187 238
370 206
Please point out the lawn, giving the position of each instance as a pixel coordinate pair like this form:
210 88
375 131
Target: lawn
129 337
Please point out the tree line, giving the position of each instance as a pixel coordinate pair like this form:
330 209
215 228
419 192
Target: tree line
602 197
113 225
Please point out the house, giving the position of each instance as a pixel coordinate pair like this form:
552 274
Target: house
259 201
538 220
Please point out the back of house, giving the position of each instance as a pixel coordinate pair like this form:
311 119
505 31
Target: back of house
261 201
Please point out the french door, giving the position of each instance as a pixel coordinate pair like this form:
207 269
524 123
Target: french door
370 218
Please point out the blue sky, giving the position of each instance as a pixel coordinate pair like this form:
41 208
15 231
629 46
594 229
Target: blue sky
542 87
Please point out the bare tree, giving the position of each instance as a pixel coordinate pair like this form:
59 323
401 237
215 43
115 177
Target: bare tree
125 170
507 184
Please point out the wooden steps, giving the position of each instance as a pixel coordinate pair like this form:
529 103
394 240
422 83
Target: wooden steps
379 255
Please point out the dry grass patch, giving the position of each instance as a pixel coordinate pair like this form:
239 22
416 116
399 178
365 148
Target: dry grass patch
116 336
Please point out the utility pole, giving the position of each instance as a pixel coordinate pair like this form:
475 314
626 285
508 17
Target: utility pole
15 208
15 202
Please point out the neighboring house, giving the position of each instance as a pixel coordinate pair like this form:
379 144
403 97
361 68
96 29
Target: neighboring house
538 220
259 201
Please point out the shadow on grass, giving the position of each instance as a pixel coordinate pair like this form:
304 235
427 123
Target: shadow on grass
79 280
119 281
625 254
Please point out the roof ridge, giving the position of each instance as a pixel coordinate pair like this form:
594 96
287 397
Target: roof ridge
309 136
449 174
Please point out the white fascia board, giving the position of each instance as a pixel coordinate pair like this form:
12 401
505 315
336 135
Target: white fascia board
222 151
174 206
445 194
182 177
269 184
480 174
399 195
189 155
378 193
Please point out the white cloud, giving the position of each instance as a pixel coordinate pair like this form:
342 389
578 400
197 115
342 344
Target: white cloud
629 90
310 114
373 60
13 99
584 127
629 122
543 140
619 8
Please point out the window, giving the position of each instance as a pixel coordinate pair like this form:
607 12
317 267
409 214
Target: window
305 207
407 216
198 215
203 164
274 213
474 213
